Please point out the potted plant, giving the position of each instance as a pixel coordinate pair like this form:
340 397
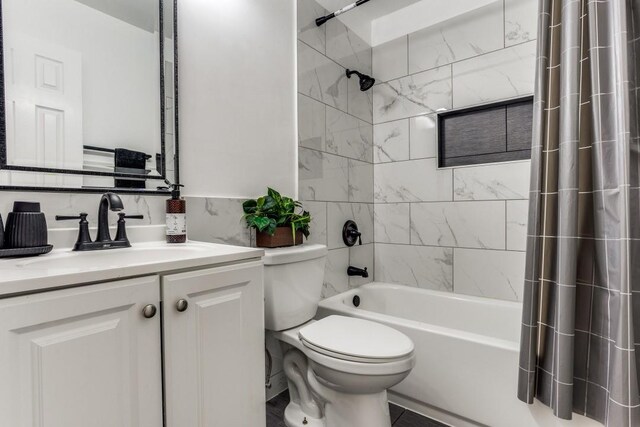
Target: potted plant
278 220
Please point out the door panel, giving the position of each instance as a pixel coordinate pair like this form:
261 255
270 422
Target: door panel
214 350
44 110
81 357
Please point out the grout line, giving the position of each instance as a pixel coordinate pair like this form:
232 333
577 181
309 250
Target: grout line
335 108
453 247
408 66
506 221
424 202
336 155
504 23
459 61
453 269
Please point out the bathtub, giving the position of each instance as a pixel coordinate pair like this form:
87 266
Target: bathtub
467 354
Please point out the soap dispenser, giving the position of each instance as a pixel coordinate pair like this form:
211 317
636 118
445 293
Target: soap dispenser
176 216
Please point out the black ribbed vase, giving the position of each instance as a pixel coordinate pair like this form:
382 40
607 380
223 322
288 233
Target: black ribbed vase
26 226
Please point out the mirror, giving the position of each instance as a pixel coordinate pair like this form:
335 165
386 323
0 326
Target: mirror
89 94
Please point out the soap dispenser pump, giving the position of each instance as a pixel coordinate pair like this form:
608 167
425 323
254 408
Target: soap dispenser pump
176 216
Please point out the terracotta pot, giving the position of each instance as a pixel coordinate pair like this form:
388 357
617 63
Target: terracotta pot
281 238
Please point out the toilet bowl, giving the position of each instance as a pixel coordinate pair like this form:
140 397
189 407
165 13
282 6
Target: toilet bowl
338 368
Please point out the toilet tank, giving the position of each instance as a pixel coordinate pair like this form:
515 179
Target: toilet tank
293 279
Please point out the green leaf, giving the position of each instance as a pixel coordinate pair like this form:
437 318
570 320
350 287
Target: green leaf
273 193
261 222
249 206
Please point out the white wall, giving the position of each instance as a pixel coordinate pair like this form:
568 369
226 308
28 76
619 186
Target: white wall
237 97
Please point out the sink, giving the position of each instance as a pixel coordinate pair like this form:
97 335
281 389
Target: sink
64 267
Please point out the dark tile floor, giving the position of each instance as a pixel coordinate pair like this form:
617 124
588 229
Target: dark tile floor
400 417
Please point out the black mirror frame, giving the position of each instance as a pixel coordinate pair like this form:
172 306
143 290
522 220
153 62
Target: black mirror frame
160 178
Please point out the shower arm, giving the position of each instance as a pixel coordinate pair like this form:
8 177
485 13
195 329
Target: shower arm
347 8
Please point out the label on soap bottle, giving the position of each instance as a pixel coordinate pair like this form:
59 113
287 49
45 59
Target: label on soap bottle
176 224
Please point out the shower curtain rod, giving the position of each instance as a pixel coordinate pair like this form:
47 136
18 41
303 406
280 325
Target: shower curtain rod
324 19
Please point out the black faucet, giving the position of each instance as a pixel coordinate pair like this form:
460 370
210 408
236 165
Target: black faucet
109 201
355 271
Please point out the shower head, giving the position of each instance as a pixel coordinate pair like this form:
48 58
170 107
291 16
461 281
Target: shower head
366 82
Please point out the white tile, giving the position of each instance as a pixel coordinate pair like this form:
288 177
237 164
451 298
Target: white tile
423 139
361 257
520 21
464 36
311 123
339 213
335 273
360 103
390 60
413 95
318 227
347 48
411 181
517 218
348 136
422 266
492 274
322 176
502 74
217 220
492 182
391 223
459 224
321 78
391 141
360 181
308 31
52 204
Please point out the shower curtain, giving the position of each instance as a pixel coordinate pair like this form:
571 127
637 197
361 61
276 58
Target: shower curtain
580 343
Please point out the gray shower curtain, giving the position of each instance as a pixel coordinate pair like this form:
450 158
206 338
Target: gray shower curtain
580 345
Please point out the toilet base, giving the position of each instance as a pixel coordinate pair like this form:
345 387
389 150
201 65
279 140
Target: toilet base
295 417
354 410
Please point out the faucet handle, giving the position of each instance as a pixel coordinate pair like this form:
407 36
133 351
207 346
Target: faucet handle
125 216
81 216
83 232
121 234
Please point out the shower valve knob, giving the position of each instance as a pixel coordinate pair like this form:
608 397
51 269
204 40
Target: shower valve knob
351 234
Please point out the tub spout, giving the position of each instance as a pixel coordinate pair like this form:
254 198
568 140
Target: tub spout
355 271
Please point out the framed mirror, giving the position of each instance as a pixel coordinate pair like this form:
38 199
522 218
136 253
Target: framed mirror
88 92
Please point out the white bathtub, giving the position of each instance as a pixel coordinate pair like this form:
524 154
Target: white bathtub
467 354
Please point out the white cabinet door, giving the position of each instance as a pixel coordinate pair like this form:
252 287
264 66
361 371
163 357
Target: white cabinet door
82 357
214 350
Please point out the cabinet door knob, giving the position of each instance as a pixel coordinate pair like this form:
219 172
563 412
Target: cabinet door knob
182 305
149 311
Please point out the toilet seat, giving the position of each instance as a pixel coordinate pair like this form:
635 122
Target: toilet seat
356 340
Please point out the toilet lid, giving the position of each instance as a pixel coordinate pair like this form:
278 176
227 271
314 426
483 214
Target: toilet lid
355 339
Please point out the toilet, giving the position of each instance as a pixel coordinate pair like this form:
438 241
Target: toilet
338 368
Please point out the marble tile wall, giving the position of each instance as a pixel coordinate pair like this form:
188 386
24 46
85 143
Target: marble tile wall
456 229
336 147
52 204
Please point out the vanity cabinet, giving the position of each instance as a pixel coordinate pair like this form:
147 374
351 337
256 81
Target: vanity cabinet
214 347
92 355
83 356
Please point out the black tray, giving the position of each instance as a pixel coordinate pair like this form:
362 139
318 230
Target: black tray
22 252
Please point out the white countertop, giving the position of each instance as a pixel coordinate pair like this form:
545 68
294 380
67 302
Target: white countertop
63 267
